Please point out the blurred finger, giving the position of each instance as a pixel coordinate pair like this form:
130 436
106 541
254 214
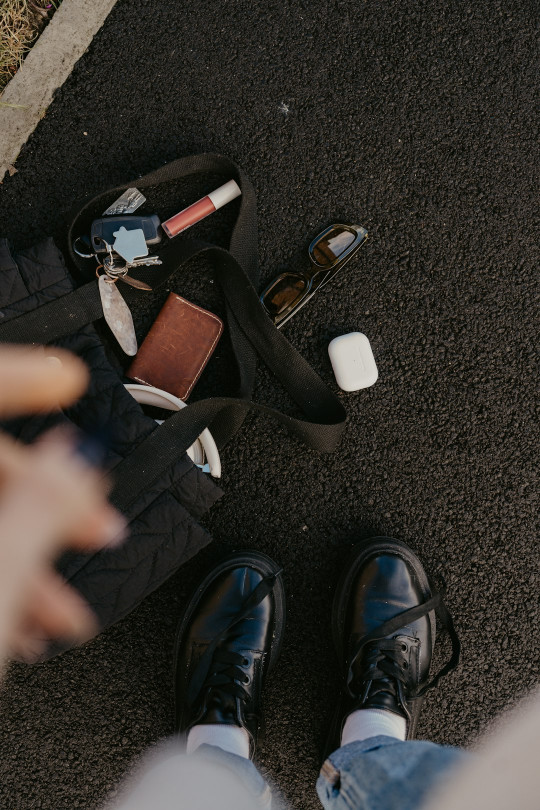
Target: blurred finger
51 497
102 524
27 646
31 382
55 610
51 480
105 527
13 456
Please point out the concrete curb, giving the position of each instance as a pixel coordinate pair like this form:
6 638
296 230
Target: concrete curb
44 70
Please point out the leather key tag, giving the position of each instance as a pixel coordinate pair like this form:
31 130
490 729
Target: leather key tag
118 316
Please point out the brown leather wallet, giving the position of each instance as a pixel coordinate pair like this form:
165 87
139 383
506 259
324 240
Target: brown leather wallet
177 347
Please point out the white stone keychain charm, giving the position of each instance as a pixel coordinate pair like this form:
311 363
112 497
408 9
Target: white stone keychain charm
118 315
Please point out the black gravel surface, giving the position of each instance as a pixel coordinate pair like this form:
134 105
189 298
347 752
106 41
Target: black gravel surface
417 120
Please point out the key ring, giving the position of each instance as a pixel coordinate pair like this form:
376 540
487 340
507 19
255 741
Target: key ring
112 271
109 279
107 265
78 251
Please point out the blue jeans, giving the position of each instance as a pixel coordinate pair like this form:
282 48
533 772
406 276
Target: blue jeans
380 773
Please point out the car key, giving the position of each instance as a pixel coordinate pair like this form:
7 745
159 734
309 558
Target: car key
102 230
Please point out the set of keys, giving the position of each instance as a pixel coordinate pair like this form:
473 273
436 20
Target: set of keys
119 242
120 258
118 248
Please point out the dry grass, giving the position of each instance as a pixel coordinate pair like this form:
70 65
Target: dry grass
21 22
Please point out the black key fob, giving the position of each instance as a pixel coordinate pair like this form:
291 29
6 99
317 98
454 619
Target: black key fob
103 230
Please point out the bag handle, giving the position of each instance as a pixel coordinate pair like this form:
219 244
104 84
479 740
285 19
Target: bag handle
251 330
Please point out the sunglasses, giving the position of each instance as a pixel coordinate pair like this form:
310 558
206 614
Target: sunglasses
328 253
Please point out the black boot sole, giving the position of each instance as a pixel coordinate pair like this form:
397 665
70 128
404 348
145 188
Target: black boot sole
360 555
263 565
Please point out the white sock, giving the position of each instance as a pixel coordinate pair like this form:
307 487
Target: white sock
365 723
230 738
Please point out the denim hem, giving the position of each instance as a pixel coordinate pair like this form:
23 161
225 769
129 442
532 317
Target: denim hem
384 773
344 755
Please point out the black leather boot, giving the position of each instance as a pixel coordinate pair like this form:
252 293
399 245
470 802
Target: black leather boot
383 624
227 642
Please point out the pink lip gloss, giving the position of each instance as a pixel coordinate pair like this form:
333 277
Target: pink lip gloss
201 209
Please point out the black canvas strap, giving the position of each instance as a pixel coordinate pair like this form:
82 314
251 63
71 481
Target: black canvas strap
251 331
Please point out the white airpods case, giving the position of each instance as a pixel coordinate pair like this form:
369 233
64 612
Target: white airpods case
353 362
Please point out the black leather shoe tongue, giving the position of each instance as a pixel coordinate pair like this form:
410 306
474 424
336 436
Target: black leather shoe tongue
221 708
383 696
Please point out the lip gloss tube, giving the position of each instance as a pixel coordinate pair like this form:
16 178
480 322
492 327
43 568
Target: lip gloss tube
201 209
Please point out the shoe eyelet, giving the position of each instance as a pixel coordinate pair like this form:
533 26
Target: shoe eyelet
245 662
404 647
246 679
405 665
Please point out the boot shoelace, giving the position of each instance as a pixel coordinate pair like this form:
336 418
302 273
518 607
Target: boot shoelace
386 662
383 668
225 676
221 670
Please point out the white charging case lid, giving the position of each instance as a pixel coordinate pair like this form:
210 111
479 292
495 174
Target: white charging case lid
352 361
201 451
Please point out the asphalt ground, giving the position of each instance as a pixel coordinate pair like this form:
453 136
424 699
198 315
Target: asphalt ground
418 121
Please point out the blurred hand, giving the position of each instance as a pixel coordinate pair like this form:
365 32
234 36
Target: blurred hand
50 499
